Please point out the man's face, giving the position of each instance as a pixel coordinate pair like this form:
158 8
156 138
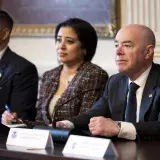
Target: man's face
1 34
130 51
4 34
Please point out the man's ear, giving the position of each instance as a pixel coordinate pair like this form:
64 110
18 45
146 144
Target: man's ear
149 51
6 34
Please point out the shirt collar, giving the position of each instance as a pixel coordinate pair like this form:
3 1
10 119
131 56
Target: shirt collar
2 52
141 80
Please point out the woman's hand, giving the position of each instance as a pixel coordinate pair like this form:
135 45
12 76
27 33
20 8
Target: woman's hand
64 124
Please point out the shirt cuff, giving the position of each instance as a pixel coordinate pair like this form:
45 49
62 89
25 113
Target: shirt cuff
127 131
69 124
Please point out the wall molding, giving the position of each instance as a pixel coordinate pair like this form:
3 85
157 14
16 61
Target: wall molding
157 52
144 12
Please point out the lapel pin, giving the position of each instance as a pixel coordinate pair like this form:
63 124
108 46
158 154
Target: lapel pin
0 75
150 95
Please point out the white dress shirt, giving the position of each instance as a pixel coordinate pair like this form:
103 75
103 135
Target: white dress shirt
128 130
2 52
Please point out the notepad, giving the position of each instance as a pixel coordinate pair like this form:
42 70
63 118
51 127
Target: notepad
16 125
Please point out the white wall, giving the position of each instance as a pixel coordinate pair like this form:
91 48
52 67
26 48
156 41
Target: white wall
41 51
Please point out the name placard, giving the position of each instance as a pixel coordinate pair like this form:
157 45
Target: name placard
91 147
30 138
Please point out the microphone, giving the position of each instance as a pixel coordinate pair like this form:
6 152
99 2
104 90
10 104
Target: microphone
59 135
14 74
56 109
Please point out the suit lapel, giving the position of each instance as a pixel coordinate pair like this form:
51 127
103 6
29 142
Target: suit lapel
5 60
119 100
148 93
51 87
67 93
2 69
72 88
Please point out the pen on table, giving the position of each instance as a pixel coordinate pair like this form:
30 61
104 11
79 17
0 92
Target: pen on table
7 108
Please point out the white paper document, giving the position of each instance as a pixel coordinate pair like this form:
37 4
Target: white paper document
16 125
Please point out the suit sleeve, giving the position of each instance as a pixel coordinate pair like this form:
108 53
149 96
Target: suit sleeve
100 108
148 130
96 84
24 93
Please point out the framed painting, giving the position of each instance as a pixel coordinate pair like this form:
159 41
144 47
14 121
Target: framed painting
39 17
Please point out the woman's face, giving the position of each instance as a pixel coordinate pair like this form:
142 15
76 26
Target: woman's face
68 46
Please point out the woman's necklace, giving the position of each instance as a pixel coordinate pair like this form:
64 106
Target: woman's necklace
67 78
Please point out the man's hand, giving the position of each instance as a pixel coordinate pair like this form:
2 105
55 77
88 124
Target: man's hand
103 126
8 117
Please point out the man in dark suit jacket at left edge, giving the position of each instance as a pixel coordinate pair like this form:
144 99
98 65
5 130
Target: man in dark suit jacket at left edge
18 79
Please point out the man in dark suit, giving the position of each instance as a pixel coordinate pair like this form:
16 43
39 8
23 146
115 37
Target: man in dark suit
18 79
115 114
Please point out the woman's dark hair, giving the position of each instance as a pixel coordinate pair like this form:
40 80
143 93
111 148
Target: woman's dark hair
86 35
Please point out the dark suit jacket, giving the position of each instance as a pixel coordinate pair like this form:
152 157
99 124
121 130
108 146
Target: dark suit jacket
113 102
19 92
83 91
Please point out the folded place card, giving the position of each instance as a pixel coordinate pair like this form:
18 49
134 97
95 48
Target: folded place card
91 147
32 139
27 150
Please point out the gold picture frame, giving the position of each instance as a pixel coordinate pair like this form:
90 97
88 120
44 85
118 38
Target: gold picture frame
27 23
